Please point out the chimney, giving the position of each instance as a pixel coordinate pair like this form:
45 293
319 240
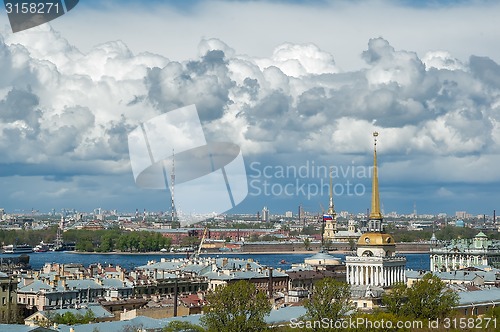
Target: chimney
270 283
27 281
176 295
63 283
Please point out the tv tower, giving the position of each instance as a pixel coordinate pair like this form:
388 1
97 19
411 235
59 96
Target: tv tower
172 185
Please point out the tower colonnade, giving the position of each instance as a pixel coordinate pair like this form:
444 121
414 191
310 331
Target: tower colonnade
376 271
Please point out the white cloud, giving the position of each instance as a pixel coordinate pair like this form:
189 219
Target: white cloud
67 112
442 60
300 60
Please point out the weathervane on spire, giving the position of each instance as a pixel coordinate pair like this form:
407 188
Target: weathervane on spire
375 213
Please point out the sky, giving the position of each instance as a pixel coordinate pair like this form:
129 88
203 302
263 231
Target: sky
299 86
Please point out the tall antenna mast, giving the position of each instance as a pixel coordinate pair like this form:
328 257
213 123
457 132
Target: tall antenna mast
172 184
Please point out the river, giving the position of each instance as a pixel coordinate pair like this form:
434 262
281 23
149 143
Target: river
417 261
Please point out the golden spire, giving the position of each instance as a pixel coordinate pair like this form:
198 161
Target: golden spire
331 207
375 210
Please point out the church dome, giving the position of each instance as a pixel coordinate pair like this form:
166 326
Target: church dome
375 239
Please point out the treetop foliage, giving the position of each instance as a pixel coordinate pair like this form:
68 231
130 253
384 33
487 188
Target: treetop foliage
428 298
237 307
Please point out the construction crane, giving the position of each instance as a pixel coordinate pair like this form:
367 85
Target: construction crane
205 231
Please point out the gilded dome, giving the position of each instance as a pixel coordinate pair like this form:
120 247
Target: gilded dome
375 239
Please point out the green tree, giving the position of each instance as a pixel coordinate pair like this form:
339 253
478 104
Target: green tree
89 317
180 326
330 299
394 299
428 298
237 307
253 238
106 243
307 243
70 318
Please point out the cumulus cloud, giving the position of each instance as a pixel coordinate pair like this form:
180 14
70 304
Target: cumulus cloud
300 60
63 111
442 60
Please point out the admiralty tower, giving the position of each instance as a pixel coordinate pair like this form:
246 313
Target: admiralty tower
375 263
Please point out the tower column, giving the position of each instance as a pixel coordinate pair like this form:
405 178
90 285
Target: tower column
360 275
367 275
356 275
353 274
381 276
378 275
372 275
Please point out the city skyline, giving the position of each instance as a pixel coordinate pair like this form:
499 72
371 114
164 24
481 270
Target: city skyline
301 90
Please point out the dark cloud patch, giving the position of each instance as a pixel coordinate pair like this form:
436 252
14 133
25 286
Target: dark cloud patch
205 82
268 118
311 102
378 49
252 87
486 70
68 131
21 105
58 178
136 100
117 134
